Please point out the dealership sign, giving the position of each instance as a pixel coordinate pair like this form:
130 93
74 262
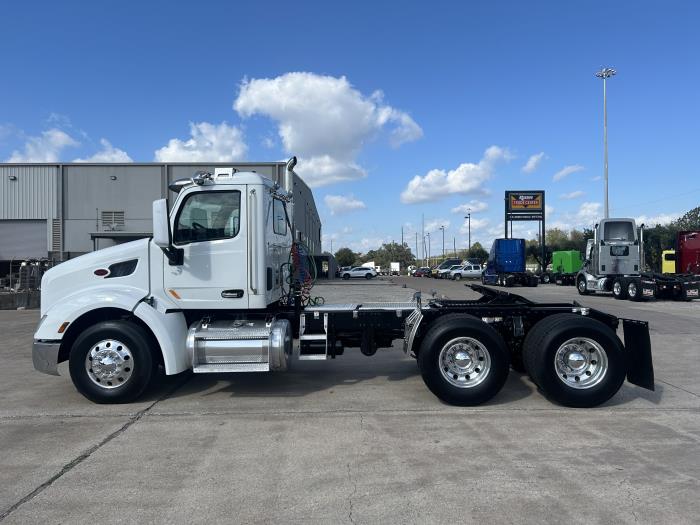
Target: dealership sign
527 202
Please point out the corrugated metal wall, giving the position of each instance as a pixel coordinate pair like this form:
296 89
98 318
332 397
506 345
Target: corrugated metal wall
69 198
32 194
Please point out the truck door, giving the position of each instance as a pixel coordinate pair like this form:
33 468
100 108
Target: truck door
209 227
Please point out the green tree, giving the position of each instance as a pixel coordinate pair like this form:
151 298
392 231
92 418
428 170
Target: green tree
689 221
345 257
477 252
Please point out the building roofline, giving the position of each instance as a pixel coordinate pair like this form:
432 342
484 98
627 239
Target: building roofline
120 164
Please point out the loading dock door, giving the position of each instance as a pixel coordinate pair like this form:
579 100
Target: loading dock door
23 239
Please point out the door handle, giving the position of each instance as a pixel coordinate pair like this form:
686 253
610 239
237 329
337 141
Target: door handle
232 294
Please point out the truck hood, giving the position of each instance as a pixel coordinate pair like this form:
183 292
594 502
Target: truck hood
77 275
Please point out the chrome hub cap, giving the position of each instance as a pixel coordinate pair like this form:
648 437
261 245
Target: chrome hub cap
617 288
581 363
109 363
464 362
582 285
632 289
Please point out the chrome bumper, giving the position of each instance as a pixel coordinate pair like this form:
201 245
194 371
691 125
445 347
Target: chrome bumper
45 356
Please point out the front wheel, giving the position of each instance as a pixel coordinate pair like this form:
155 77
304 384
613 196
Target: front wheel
576 361
346 276
458 277
545 278
463 361
111 362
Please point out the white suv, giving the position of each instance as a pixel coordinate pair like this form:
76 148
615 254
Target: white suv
359 271
469 271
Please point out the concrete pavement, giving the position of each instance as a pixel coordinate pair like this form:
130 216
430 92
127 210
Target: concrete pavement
356 439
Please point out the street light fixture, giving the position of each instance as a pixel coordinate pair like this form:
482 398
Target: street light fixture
468 216
605 73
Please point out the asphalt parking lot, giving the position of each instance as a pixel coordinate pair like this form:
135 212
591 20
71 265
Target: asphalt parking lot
356 439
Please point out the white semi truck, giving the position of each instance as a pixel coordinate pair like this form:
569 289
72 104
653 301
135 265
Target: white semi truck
614 262
222 287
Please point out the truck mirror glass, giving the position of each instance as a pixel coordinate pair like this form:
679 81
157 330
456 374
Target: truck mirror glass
161 227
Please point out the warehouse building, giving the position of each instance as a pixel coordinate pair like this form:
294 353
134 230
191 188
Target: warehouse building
60 211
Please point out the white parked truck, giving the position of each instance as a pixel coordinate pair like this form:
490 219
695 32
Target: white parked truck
224 287
614 262
395 268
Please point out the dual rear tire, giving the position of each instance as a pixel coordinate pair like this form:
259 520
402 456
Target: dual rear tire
576 361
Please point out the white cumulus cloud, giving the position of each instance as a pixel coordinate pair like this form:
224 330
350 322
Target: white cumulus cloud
662 219
476 225
572 195
466 178
108 153
473 206
566 171
533 162
46 147
433 225
339 204
325 121
207 143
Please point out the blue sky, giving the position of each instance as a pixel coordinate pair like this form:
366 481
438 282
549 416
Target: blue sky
370 96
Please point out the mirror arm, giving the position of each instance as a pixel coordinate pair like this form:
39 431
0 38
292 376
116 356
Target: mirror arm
175 255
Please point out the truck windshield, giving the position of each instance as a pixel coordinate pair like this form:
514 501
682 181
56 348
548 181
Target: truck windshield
207 216
619 231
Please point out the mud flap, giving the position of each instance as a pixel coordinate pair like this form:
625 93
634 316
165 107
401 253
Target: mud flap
690 290
640 369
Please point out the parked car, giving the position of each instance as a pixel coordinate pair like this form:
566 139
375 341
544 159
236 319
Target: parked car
422 272
467 271
444 273
445 265
359 271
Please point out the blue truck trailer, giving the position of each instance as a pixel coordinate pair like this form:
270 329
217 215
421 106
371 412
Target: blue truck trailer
506 264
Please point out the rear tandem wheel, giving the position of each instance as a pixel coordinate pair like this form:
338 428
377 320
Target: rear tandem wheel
463 360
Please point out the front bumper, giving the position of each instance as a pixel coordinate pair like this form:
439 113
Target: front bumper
45 356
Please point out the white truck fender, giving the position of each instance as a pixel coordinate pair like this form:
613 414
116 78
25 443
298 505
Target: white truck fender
73 306
170 330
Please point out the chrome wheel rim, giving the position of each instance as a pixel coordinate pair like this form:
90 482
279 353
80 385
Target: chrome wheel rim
109 364
582 285
617 288
464 362
581 363
632 290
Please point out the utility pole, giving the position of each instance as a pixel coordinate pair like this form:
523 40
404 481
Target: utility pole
605 73
417 259
443 240
454 245
468 216
401 235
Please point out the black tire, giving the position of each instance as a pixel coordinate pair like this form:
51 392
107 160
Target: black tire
540 348
458 277
483 279
509 281
346 276
634 290
368 276
581 286
142 365
619 288
546 278
534 281
448 328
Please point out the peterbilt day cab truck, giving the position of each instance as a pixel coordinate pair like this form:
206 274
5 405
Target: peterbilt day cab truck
615 263
222 287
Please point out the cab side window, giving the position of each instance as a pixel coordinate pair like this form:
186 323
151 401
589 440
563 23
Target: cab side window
279 220
208 216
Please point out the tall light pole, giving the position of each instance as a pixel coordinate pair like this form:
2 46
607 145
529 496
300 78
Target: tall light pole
443 241
468 216
605 73
428 236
